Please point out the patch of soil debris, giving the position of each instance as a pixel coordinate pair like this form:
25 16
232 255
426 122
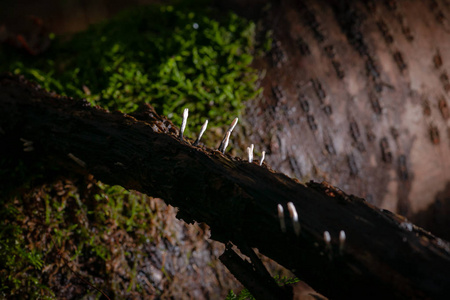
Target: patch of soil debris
64 238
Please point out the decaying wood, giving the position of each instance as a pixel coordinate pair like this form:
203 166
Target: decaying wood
383 254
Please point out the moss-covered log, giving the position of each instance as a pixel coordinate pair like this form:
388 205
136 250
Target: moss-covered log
383 254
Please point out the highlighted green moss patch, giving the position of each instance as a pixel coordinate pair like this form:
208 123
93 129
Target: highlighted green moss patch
169 56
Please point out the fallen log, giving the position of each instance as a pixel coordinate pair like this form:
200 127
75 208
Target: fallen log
381 254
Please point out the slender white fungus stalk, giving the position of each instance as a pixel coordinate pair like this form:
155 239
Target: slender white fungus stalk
226 138
281 217
233 124
292 211
327 237
183 123
201 133
342 238
26 143
262 158
250 153
225 142
294 217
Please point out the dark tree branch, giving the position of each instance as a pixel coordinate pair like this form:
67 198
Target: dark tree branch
382 255
255 280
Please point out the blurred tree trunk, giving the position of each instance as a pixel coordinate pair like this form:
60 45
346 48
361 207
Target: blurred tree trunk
383 254
356 93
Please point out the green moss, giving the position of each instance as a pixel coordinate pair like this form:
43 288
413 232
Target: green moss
57 226
186 55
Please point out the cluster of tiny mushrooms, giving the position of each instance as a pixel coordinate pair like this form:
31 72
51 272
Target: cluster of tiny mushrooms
291 208
28 147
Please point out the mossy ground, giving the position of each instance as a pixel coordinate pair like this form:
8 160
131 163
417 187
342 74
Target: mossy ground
125 243
172 57
56 228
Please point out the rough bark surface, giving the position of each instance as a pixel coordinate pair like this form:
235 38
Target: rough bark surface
356 93
383 254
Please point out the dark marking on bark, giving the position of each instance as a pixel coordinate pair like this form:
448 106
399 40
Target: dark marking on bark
304 103
370 134
372 69
328 143
378 87
445 81
434 134
294 166
331 54
386 154
437 12
352 165
329 146
399 60
426 107
356 135
312 122
350 21
385 32
354 130
375 102
329 51
318 89
437 59
360 146
402 168
443 107
338 69
310 20
303 47
406 30
328 110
